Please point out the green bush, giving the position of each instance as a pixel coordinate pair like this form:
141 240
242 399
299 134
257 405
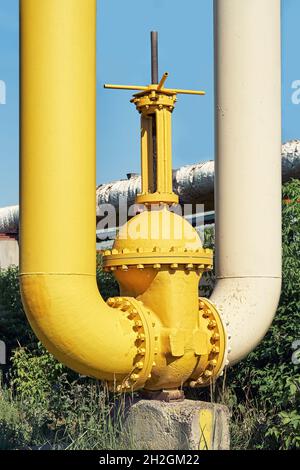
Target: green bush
14 327
34 374
107 284
48 406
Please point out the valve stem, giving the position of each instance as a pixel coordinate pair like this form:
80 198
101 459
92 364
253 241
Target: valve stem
154 57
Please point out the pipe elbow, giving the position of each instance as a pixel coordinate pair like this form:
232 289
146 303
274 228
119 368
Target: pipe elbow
74 323
249 305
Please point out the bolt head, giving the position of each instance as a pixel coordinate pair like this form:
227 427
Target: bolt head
215 337
111 302
189 267
133 312
126 305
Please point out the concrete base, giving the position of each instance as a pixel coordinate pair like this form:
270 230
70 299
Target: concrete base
185 425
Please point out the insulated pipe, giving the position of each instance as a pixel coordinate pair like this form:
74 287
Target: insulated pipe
58 262
194 184
248 168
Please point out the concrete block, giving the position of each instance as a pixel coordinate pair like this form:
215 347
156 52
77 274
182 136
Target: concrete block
185 425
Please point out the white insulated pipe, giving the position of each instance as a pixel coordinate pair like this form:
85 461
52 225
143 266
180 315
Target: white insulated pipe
248 168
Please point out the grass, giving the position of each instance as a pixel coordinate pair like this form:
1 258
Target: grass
91 418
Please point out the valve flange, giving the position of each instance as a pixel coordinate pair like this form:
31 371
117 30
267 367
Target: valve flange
144 325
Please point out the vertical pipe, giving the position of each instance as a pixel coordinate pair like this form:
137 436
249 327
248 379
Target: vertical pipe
58 135
248 167
146 127
168 150
160 149
154 57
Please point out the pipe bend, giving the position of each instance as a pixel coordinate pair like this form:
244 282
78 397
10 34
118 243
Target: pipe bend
74 323
249 305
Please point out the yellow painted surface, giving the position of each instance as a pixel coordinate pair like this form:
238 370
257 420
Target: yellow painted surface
206 423
158 258
148 337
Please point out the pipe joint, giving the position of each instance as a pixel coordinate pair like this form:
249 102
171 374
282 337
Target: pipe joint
146 330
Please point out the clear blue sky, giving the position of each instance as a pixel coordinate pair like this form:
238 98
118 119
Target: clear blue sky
186 52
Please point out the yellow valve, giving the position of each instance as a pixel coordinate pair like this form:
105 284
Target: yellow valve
165 261
156 103
164 257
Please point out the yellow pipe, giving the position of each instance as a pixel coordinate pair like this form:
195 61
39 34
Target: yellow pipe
162 81
125 87
184 92
58 115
